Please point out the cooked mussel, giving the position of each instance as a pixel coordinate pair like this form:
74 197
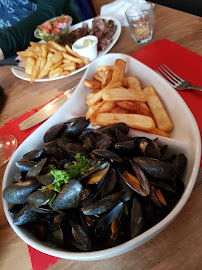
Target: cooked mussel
70 196
156 168
17 193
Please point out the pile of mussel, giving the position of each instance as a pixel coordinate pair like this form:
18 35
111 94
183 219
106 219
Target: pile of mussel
132 185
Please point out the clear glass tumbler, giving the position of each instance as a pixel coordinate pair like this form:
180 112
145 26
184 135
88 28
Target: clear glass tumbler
140 20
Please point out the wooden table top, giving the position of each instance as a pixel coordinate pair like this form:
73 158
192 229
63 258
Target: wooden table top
179 246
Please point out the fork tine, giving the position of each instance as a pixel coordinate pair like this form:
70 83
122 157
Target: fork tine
170 75
173 73
164 78
170 80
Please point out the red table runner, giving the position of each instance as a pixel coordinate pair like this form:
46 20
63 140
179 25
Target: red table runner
182 61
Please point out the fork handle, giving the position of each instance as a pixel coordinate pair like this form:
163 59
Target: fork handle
195 87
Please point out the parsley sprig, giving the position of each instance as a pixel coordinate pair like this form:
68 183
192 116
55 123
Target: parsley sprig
75 169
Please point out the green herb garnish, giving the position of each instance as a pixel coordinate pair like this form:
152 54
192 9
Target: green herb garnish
74 171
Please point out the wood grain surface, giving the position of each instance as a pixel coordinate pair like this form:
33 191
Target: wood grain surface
179 246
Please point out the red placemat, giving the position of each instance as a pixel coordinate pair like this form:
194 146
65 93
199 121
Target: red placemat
182 61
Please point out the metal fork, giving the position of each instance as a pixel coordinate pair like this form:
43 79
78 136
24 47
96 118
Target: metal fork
174 79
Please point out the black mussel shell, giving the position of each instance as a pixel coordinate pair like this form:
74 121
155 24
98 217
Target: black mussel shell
69 197
25 215
25 165
76 126
54 132
17 193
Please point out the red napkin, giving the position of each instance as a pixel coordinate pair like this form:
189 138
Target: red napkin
182 61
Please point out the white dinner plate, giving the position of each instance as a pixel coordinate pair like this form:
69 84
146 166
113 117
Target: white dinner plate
20 73
185 138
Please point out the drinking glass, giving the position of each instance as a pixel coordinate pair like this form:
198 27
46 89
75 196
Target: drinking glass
140 21
8 144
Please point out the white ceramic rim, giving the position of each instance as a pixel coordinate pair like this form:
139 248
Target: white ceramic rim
22 75
142 238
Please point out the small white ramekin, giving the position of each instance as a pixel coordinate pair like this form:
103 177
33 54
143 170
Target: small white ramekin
90 51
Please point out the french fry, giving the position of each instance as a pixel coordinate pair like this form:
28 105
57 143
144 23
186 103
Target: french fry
69 62
42 64
29 64
96 98
93 110
35 70
70 66
101 73
66 61
104 68
56 72
120 110
121 93
97 77
47 67
133 82
56 57
159 132
115 98
79 65
137 121
118 71
65 72
160 115
107 106
69 50
92 84
57 46
44 51
135 107
56 65
107 78
71 58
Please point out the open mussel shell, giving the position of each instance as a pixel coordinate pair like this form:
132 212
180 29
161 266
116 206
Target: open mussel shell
157 197
136 180
81 236
107 220
69 197
17 193
95 175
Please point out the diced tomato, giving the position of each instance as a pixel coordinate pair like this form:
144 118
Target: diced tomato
45 31
40 27
55 24
47 25
59 19
55 30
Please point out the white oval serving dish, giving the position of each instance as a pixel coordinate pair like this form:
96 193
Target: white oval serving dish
184 138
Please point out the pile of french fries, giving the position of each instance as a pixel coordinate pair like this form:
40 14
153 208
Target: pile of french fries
115 98
50 59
